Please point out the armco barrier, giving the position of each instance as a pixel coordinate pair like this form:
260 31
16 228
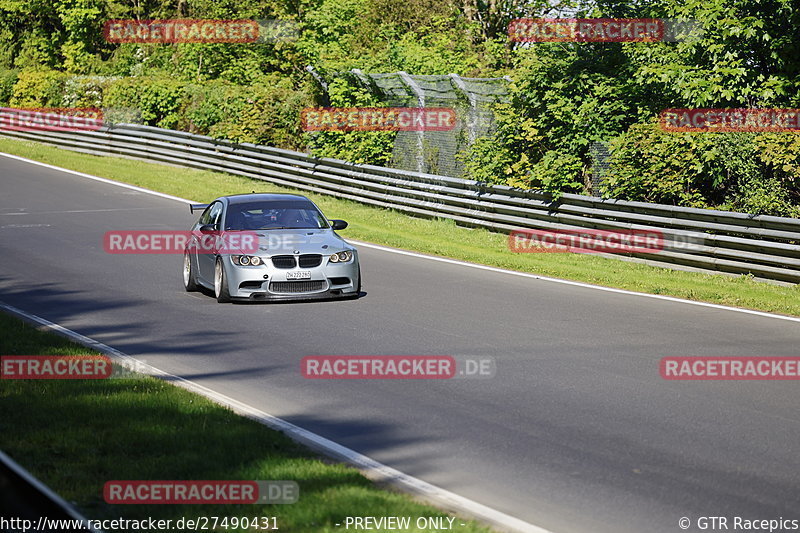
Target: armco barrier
766 246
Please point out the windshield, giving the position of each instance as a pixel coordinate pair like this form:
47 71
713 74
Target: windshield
282 214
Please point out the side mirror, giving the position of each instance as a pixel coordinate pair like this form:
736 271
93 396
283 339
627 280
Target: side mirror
338 224
208 228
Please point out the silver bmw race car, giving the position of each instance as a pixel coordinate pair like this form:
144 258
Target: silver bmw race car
269 247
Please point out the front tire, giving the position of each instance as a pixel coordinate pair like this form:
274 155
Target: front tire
189 275
221 283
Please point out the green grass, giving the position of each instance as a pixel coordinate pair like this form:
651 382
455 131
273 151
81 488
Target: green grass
75 435
438 237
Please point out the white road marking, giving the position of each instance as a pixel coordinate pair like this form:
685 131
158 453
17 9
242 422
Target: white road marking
372 469
26 226
80 211
569 282
445 259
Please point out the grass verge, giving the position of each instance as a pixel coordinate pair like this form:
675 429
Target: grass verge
438 237
75 435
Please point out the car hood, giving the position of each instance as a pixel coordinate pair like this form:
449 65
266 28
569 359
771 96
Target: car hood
304 241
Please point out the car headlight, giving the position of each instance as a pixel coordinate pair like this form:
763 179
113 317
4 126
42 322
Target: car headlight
342 257
246 260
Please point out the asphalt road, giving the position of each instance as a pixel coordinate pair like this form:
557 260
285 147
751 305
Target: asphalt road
577 432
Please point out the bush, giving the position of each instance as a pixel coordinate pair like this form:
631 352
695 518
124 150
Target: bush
8 78
506 155
267 113
159 100
558 172
764 197
85 91
37 50
38 89
757 174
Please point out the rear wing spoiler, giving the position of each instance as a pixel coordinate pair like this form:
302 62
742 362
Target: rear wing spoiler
197 207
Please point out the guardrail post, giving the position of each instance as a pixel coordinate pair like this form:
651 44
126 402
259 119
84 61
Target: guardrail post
420 94
322 83
472 120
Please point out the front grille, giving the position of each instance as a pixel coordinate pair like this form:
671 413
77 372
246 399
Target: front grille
284 261
310 260
296 286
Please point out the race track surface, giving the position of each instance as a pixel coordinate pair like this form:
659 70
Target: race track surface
577 432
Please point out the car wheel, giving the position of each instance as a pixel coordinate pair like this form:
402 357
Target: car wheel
221 283
189 276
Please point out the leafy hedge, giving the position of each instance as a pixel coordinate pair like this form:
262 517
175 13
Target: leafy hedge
8 78
754 173
262 114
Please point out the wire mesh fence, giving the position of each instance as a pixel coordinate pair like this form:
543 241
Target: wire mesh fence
434 152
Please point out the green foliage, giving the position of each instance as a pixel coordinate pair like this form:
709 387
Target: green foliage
37 51
765 197
575 94
8 78
778 193
80 20
38 89
558 172
564 97
748 55
372 147
263 114
742 171
159 100
6 52
85 91
503 155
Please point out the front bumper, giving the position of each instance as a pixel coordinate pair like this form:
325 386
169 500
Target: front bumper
266 282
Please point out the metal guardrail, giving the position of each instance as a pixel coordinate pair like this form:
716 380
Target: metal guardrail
722 241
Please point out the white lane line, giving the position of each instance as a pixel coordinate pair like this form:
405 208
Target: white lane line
26 226
569 282
444 259
372 469
95 178
79 211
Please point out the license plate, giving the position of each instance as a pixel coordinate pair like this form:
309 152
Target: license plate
298 274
